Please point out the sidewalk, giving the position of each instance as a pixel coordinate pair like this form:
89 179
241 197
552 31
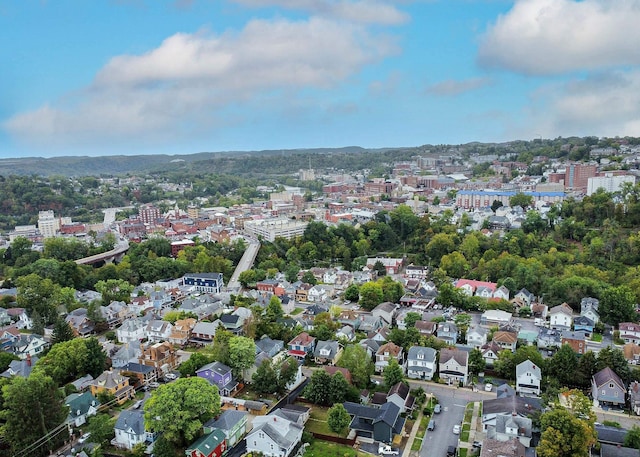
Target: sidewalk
414 431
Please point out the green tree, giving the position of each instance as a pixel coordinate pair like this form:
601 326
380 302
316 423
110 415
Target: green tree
338 388
564 435
62 331
614 359
114 290
163 447
242 353
96 360
355 359
370 295
287 373
265 379
617 304
247 277
274 309
318 390
39 296
476 361
309 278
411 318
392 291
101 428
522 200
563 366
196 361
632 438
352 293
179 409
5 359
338 418
392 373
33 407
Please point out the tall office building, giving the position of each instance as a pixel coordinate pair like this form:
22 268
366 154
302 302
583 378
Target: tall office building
48 224
577 175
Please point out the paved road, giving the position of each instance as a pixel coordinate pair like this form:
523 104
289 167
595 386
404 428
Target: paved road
245 264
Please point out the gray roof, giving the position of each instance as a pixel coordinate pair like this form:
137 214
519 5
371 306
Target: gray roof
521 405
607 375
21 368
271 347
133 419
428 354
611 435
137 368
523 424
218 367
610 450
332 346
227 420
528 367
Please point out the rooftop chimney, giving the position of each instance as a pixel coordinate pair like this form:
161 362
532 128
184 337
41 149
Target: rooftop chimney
28 360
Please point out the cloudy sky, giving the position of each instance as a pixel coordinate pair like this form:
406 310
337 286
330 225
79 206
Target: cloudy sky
104 77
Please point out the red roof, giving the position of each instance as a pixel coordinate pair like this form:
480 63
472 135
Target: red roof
297 353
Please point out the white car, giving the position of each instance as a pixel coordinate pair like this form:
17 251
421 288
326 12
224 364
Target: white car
488 387
387 450
171 376
456 429
84 437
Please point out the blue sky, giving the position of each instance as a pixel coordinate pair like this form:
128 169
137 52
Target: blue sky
107 77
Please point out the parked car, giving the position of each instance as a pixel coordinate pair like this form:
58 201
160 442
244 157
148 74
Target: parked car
138 404
432 425
171 376
452 451
154 385
84 437
387 450
456 429
437 409
488 387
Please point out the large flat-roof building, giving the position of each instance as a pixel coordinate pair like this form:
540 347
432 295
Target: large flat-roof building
270 229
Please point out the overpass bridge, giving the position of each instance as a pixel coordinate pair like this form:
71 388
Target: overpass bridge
114 255
246 262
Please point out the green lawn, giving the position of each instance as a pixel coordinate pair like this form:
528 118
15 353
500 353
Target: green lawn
318 422
320 448
596 337
296 311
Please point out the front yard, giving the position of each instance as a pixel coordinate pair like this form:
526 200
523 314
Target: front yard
319 448
317 422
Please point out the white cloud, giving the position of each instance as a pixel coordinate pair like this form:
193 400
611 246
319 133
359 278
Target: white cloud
451 87
359 11
540 37
187 82
606 104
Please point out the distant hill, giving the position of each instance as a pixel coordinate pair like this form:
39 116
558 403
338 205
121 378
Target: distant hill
132 164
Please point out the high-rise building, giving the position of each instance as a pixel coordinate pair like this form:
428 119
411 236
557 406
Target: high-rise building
577 175
48 224
609 183
149 214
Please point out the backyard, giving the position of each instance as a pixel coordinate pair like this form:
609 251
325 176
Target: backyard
319 448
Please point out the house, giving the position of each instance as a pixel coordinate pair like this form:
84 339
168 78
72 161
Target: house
79 321
509 427
631 353
319 293
158 330
181 331
113 383
471 287
607 389
380 424
495 448
576 340
273 436
370 345
629 332
501 293
302 345
126 354
302 292
634 397
506 340
296 413
584 325
20 318
28 345
327 352
269 346
115 313
220 375
145 374
548 338
385 353
561 317
512 405
427 328
81 406
349 317
421 362
204 332
525 296
22 368
160 356
490 352
416 271
540 311
134 329
447 332
392 266
332 370
212 444
589 308
129 429
370 323
385 311
204 282
476 337
400 396
454 365
528 378
232 322
232 423
83 383
346 333
493 317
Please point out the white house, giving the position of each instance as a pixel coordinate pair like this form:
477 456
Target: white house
490 352
501 293
129 429
528 378
133 329
273 436
476 337
561 317
454 365
497 317
81 406
421 362
158 330
385 311
629 332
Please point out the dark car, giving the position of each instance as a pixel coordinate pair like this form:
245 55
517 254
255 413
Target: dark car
452 451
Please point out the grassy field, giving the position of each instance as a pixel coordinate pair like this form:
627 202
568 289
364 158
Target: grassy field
318 421
296 311
326 449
